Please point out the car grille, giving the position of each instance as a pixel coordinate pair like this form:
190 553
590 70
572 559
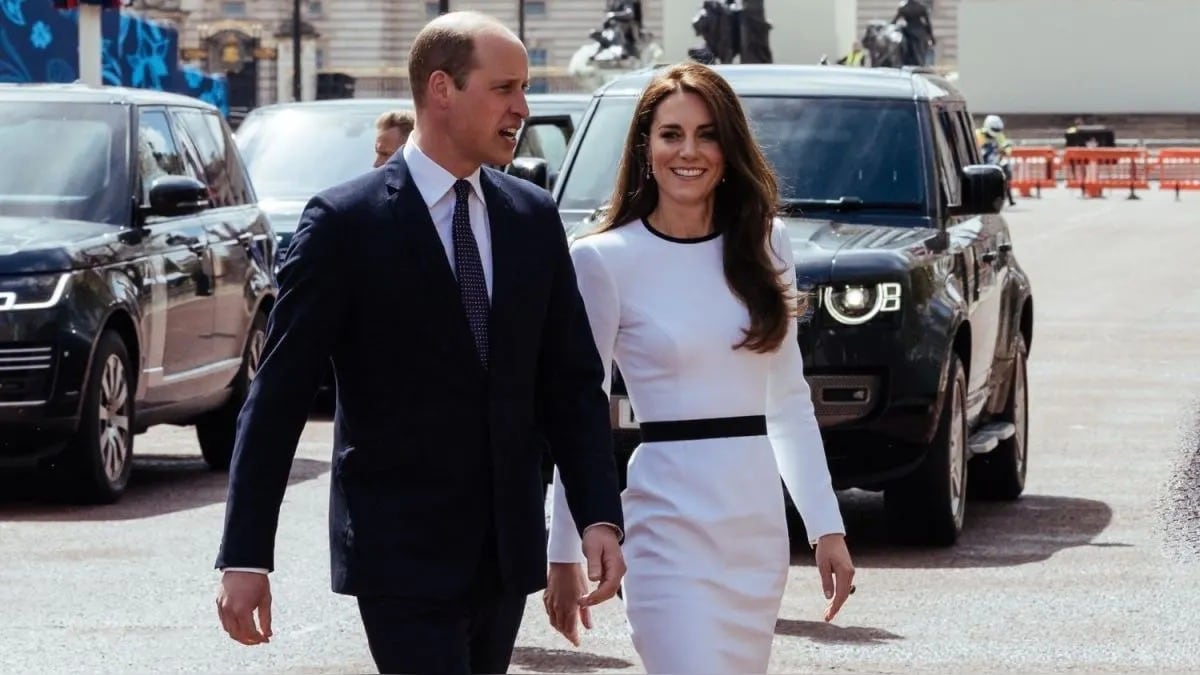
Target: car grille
25 372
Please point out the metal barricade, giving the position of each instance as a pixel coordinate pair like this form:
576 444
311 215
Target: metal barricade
1033 169
1094 170
1179 169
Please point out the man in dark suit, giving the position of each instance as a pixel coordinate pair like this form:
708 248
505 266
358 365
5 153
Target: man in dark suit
445 296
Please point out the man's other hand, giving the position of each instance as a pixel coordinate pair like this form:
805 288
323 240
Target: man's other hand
240 594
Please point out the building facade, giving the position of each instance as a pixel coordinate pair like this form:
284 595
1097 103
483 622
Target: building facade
357 47
360 47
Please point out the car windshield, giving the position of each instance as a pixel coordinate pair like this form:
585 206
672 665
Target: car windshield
64 161
295 153
823 149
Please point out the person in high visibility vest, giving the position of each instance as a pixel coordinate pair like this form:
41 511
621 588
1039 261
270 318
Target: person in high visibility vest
995 148
856 57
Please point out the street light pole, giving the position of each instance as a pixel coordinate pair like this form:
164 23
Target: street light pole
296 89
521 20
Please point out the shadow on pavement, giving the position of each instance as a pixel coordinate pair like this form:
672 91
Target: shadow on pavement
160 484
996 534
831 634
563 661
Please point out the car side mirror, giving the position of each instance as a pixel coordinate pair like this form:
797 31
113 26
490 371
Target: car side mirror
177 196
982 190
532 169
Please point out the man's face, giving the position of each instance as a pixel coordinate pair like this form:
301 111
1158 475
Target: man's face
487 113
387 142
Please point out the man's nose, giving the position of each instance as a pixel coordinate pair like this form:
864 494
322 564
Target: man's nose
520 106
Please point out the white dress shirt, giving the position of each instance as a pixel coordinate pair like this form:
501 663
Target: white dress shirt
436 186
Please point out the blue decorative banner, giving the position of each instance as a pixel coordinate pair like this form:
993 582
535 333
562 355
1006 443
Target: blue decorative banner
39 43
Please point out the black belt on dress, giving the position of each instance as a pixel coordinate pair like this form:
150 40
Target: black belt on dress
694 430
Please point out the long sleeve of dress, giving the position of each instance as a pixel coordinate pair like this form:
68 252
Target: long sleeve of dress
792 423
599 294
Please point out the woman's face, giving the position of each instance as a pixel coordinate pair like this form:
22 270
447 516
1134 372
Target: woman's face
685 155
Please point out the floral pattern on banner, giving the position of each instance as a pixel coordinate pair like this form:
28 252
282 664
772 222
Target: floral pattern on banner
39 43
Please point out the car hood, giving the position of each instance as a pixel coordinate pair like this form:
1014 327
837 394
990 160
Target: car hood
284 215
32 245
827 250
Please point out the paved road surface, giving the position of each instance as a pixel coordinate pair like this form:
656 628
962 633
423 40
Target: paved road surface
1094 570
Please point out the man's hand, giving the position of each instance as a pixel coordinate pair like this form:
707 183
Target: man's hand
605 563
565 587
240 594
837 572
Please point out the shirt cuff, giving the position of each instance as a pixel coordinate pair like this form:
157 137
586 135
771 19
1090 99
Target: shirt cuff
617 530
258 570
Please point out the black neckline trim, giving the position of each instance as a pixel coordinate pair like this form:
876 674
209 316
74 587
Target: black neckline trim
681 240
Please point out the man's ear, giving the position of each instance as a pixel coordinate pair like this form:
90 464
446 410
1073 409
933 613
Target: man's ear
439 86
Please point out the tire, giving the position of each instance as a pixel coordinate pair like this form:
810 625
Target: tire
97 461
928 507
1000 474
217 430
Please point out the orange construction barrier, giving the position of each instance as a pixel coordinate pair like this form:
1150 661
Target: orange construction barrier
1179 169
1033 168
1092 170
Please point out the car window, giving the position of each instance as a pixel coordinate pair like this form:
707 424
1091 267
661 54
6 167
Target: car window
158 153
820 148
233 161
956 135
546 140
292 154
947 160
64 161
964 124
213 157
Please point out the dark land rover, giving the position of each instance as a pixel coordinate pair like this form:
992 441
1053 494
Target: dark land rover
135 279
921 318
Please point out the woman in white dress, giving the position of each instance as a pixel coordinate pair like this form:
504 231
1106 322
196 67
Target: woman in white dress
689 286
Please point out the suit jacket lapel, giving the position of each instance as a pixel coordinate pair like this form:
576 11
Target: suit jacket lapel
446 319
506 251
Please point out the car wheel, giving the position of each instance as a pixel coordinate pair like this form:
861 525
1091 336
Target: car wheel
1000 474
217 431
98 459
929 505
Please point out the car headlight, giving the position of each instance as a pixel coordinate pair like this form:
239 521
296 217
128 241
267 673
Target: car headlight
855 304
36 291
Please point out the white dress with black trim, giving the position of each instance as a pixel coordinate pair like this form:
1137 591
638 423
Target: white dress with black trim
706 535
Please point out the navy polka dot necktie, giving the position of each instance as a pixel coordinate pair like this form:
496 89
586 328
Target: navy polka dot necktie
469 270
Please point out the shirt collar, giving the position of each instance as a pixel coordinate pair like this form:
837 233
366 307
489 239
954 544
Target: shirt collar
431 179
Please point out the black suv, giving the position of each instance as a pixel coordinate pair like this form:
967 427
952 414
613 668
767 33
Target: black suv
921 318
135 279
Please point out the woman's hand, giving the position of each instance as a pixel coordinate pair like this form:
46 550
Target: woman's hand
566 585
837 572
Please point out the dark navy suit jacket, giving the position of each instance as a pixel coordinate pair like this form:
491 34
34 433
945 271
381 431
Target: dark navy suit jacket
433 453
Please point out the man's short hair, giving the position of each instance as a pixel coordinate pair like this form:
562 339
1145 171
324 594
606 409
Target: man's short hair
446 43
396 119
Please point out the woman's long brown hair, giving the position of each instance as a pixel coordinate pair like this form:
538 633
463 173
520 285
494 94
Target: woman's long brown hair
743 207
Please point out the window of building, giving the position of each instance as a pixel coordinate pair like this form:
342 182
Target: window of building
233 8
537 56
535 8
314 7
431 10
